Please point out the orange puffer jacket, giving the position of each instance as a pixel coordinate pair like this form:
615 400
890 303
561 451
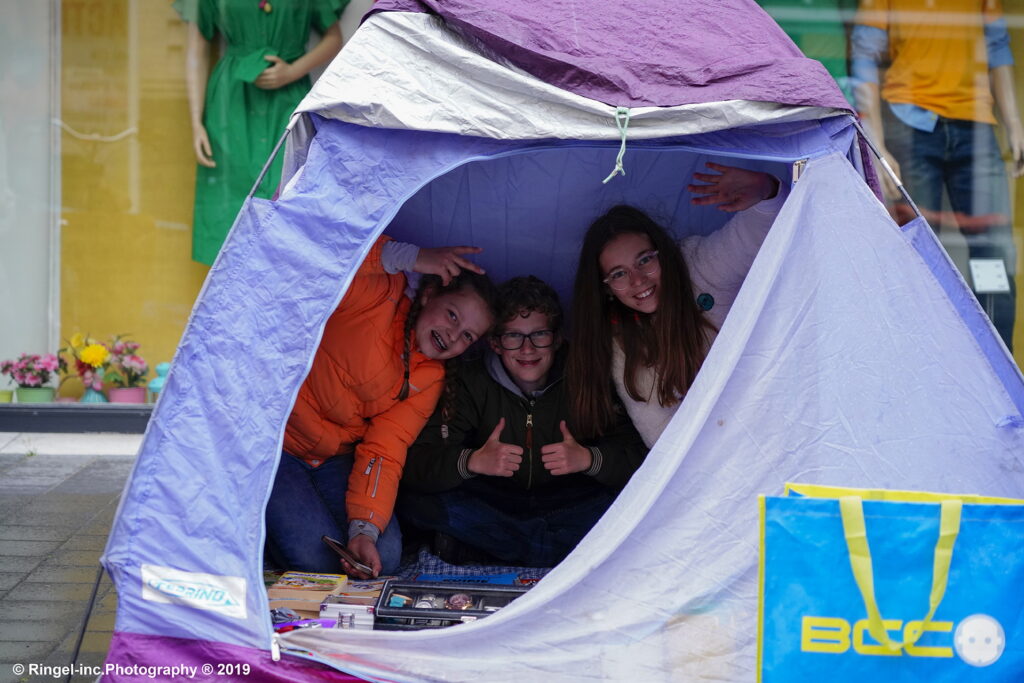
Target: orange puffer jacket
347 403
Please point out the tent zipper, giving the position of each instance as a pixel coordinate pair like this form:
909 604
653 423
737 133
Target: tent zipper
275 648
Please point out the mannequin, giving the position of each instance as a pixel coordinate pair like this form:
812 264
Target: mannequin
240 109
932 114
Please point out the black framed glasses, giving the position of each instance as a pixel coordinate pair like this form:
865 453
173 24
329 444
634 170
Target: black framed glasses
541 339
646 264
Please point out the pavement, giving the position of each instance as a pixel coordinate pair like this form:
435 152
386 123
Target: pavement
58 496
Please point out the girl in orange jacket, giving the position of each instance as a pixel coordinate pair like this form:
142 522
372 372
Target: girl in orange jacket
375 380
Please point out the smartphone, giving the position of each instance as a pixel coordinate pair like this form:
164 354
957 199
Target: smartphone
346 554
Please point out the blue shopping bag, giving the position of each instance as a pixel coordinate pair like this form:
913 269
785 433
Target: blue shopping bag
889 591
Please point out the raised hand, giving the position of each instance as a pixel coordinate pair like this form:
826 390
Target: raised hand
447 262
732 188
494 458
567 456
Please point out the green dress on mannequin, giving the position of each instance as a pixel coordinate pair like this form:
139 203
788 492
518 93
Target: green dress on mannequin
248 98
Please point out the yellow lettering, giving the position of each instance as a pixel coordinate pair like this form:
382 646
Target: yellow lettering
824 634
913 630
859 646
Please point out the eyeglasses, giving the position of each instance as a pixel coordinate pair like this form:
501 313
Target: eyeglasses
541 339
646 264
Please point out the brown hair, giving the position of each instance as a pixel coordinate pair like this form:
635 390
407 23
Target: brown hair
467 280
523 295
673 341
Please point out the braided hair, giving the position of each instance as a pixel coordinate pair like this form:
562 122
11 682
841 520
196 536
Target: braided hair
467 280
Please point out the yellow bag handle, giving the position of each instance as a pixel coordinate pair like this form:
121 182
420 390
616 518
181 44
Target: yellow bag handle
823 491
851 510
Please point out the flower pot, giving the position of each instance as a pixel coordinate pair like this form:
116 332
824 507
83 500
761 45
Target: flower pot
6 395
127 395
93 396
34 394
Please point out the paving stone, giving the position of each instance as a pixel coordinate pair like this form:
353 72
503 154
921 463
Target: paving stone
85 542
9 580
70 575
94 642
27 548
23 651
65 522
101 622
50 592
56 500
100 527
13 564
24 532
72 558
33 631
21 610
97 478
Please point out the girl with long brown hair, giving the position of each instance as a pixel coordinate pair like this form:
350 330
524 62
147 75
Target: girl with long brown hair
648 308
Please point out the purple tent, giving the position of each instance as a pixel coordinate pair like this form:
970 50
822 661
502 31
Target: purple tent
495 124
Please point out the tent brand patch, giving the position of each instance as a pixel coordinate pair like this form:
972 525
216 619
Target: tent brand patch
979 639
224 594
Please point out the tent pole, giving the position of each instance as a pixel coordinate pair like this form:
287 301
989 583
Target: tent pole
885 165
85 623
273 154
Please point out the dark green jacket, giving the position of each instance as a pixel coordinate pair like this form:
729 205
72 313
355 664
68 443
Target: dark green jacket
486 393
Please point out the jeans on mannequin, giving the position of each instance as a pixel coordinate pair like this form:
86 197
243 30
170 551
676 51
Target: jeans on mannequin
962 159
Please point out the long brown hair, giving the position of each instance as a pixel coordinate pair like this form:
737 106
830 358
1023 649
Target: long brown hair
467 280
673 340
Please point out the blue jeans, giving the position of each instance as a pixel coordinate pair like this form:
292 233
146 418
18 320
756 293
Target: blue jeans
521 528
962 158
309 502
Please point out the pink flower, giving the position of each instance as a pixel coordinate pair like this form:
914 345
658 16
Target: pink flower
118 348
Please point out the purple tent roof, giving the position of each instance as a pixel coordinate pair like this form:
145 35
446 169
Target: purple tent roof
644 52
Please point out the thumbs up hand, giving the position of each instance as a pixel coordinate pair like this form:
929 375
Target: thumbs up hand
495 458
567 456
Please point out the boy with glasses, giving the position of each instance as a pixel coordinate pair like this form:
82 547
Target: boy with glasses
502 477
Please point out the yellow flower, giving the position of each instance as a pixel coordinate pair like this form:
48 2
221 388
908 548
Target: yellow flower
77 340
95 355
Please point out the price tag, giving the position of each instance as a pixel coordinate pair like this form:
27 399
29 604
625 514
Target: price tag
989 276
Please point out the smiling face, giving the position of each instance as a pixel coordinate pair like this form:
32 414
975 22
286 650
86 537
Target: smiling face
528 366
448 323
630 253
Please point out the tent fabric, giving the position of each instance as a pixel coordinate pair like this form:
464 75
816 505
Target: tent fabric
641 54
135 658
467 93
854 355
843 361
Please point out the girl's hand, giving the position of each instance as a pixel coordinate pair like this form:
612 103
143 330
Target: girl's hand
279 74
446 262
732 189
363 547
